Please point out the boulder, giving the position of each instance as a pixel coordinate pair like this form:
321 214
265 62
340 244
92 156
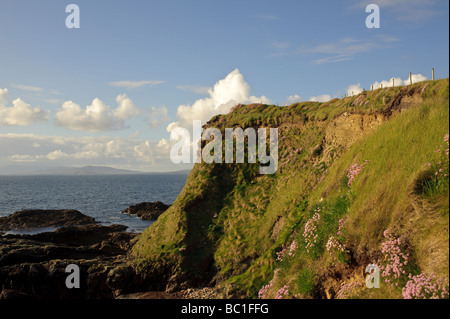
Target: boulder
147 210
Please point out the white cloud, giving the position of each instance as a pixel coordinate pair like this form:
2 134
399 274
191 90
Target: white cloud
97 116
56 155
293 99
345 48
320 98
143 151
157 115
135 84
354 89
42 151
22 158
20 113
398 81
125 108
225 94
27 87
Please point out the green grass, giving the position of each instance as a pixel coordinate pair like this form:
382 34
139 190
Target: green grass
228 223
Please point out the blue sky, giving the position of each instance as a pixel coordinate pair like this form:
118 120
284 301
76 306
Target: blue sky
140 65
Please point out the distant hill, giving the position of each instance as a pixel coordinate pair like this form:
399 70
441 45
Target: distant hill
86 170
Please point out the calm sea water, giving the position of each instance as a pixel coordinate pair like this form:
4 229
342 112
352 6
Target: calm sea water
101 197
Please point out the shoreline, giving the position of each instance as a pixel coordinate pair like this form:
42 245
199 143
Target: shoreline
36 246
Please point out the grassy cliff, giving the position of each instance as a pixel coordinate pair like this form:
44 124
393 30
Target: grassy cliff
356 184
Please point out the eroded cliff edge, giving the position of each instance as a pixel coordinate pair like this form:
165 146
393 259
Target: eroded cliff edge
228 225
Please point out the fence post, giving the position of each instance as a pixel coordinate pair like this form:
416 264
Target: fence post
432 73
393 83
410 78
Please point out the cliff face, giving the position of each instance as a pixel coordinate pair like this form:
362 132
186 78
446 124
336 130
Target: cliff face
239 231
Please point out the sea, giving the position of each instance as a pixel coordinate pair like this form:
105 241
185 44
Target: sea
100 196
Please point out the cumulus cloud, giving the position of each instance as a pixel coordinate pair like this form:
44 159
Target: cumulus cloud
291 99
97 116
125 108
20 113
225 94
354 89
399 82
320 98
157 115
56 155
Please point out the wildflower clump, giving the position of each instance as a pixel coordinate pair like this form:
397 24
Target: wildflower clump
395 257
290 251
346 290
442 164
335 246
263 291
284 291
354 171
342 223
310 234
280 254
426 286
292 248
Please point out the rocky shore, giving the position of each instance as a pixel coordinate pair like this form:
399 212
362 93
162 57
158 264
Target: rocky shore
33 266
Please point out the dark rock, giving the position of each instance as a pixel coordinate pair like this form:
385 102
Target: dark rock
14 295
147 210
83 235
74 242
44 218
33 266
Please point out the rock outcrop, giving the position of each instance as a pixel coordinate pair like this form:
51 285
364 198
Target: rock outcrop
147 210
33 266
44 218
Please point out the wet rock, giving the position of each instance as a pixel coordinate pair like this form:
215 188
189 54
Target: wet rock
44 218
33 266
147 210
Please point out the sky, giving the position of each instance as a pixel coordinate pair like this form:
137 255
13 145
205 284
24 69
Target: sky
111 91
